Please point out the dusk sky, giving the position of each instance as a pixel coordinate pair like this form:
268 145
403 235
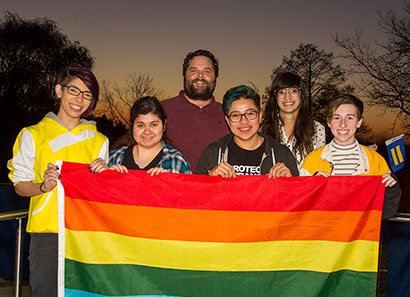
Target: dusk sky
248 37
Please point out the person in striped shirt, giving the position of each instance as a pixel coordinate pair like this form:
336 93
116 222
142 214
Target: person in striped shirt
345 156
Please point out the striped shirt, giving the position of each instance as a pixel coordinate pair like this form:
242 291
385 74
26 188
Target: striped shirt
345 158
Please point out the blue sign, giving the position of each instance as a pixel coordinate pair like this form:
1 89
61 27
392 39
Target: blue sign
397 152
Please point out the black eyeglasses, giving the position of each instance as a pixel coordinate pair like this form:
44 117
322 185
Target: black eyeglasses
73 90
250 115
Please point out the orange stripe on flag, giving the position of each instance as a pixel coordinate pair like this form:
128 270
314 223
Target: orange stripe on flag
217 226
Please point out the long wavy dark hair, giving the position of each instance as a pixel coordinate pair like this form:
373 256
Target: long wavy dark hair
304 129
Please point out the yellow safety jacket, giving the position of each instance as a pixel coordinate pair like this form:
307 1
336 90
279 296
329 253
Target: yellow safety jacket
44 143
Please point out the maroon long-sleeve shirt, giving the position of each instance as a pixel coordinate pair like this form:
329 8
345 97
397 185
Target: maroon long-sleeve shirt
191 128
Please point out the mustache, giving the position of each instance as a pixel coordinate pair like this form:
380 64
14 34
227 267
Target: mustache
199 80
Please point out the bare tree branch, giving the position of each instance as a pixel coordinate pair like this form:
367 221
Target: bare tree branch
318 70
384 68
117 101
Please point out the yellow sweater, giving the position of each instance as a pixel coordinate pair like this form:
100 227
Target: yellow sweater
371 163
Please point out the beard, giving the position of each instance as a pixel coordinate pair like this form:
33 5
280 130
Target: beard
201 93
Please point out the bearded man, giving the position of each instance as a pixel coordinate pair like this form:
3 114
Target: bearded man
194 118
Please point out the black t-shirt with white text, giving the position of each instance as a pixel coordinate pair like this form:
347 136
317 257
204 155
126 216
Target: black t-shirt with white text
245 162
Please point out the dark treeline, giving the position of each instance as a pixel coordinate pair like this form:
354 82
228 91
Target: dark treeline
31 54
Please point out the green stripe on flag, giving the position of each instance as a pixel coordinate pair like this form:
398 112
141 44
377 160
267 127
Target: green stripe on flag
123 280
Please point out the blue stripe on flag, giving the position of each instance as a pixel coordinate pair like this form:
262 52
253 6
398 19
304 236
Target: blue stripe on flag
79 293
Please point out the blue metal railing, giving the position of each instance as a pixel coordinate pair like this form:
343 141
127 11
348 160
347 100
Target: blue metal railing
18 215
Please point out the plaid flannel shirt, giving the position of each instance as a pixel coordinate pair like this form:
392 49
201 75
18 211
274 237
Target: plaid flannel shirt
171 159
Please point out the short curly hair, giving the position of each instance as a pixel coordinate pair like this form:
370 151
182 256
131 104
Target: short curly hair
197 53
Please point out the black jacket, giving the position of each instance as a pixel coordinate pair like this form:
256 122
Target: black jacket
275 152
392 196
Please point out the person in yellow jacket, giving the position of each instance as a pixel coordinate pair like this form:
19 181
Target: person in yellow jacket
66 136
345 156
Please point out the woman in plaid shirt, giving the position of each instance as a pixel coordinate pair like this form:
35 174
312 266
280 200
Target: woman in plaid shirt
144 147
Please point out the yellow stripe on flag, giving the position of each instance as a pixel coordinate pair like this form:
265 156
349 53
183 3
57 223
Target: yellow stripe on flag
393 153
321 256
399 154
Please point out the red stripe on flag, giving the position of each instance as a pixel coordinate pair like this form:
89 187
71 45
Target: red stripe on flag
249 193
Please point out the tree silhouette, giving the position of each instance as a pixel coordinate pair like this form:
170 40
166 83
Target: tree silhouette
384 67
116 101
113 132
31 54
322 77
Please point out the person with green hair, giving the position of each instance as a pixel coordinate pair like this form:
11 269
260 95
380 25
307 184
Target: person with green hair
245 151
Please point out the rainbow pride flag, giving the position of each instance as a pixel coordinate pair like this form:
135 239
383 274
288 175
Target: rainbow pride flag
132 234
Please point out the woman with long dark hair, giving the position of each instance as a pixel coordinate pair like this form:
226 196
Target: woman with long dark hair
288 118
